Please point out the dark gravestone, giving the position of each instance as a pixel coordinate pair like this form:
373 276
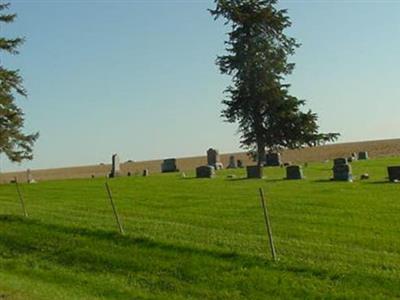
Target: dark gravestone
254 171
115 167
205 172
213 159
350 159
273 160
169 165
145 172
294 172
362 155
340 161
342 172
232 162
394 173
239 163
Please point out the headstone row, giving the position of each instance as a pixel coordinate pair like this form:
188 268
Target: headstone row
341 168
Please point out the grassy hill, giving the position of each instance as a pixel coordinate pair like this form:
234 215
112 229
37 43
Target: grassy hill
381 148
190 238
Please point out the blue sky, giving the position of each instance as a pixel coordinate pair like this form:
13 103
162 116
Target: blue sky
138 77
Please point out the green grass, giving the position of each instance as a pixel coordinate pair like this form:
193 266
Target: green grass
192 238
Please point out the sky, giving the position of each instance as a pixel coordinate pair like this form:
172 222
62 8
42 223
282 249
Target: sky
138 78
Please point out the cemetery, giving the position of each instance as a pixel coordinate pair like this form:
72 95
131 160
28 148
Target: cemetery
198 232
294 215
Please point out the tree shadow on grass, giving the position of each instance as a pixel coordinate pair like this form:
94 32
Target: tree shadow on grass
326 181
64 237
85 251
266 179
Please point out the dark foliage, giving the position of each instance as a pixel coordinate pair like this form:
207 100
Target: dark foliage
16 145
258 49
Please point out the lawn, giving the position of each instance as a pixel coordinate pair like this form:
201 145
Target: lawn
190 238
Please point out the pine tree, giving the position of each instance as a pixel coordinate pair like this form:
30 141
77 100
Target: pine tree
269 118
16 145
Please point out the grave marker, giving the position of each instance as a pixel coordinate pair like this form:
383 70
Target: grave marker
29 177
363 155
232 162
205 172
115 166
294 172
254 171
239 163
273 159
342 172
340 161
213 159
169 165
394 173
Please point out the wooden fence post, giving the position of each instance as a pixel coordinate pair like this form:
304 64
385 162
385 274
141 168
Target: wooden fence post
21 199
268 224
121 230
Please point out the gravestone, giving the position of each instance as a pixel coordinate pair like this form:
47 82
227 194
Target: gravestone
213 159
115 167
29 176
362 155
350 159
273 159
205 172
342 172
145 172
239 163
354 156
169 165
254 171
232 162
294 172
340 161
394 173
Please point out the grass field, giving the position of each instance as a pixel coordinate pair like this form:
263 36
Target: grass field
192 238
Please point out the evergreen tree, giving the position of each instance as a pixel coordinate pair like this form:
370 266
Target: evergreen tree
269 118
16 145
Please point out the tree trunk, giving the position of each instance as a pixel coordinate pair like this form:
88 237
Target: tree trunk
260 153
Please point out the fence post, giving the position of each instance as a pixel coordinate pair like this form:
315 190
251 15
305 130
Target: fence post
21 199
268 224
121 230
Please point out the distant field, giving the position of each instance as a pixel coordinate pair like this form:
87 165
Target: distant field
383 148
190 238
